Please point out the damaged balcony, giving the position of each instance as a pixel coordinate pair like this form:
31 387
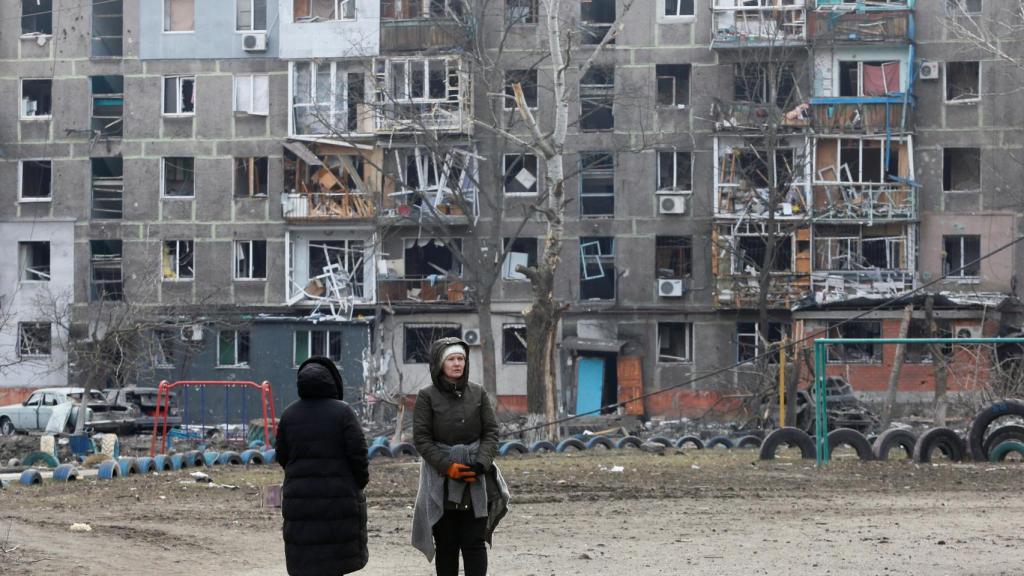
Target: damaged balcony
428 271
863 22
326 182
742 251
420 25
430 187
769 23
749 183
330 274
422 94
868 115
329 99
864 180
858 261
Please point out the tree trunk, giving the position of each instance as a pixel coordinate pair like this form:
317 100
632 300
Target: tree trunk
541 331
487 346
939 365
793 376
897 365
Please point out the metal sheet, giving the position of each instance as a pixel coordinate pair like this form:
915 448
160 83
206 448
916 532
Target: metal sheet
304 153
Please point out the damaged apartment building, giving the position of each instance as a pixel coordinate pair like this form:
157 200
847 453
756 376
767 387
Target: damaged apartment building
274 179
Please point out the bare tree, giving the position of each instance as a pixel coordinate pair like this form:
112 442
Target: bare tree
998 34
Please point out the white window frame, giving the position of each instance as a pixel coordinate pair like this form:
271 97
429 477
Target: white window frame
234 176
238 244
961 274
676 17
23 263
945 84
252 104
688 333
675 173
252 17
504 164
176 263
164 24
337 12
177 101
21 182
535 11
335 113
309 342
234 341
21 100
162 337
452 65
21 328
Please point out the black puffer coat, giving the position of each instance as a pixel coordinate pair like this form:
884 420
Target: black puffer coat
321 447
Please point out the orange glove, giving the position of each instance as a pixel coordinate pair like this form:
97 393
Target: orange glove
462 472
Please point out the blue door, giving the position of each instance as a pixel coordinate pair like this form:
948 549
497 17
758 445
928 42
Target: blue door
589 384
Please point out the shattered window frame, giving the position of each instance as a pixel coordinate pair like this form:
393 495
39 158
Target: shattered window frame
677 253
250 260
177 177
850 77
317 109
251 176
34 261
598 279
106 270
784 252
673 157
596 19
956 79
41 87
668 81
597 170
176 85
749 340
512 166
175 22
754 82
513 344
961 255
527 79
38 171
35 339
310 342
107 39
669 335
233 348
165 347
597 99
107 105
521 12
178 261
855 353
36 22
957 160
107 181
417 338
521 245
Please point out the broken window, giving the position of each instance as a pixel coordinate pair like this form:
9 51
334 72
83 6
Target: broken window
597 184
757 83
678 8
326 98
177 260
674 172
179 95
527 80
107 187
749 339
36 98
751 252
597 268
427 258
513 344
841 248
675 342
107 276
519 252
309 343
252 94
521 175
336 265
233 348
317 10
673 85
34 259
866 353
179 15
921 353
858 78
961 169
446 8
107 28
597 97
521 11
419 337
107 105
423 79
178 180
36 179
963 81
36 17
960 256
33 339
165 348
673 257
250 15
250 259
596 19
968 7
251 176
445 181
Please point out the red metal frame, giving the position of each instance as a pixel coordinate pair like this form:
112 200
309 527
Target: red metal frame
163 406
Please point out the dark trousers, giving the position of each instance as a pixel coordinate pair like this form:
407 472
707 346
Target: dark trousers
459 530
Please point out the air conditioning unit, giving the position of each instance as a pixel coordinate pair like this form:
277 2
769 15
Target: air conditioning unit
672 204
670 288
929 70
254 42
193 333
471 336
967 331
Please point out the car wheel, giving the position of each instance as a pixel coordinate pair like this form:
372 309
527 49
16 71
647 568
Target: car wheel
6 427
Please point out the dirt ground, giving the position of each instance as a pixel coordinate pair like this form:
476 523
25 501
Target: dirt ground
711 512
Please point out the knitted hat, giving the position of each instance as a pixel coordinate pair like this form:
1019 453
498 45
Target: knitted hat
453 349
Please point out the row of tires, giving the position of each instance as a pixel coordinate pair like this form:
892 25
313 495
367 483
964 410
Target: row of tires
111 469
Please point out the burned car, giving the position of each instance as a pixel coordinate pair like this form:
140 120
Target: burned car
55 410
142 409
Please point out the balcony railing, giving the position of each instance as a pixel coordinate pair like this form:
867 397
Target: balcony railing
418 34
837 286
768 24
753 116
839 201
320 206
430 289
736 291
868 115
442 115
851 26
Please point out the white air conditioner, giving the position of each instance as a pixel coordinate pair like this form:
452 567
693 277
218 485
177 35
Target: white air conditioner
672 204
967 331
193 333
254 42
471 336
929 70
670 288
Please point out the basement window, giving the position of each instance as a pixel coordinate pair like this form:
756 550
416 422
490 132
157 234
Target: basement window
36 17
960 255
513 344
251 177
597 97
107 28
177 260
250 259
179 95
673 85
521 175
178 178
675 8
749 339
675 342
963 82
527 80
107 275
34 339
107 105
961 169
36 98
252 94
521 12
675 173
419 337
309 343
323 10
107 188
233 349
597 184
597 268
596 19
36 180
519 252
34 261
251 15
868 353
673 257
179 15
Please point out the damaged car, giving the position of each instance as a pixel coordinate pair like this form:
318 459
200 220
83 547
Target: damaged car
55 410
142 409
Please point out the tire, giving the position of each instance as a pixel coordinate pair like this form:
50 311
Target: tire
694 441
65 473
1003 449
145 464
30 477
944 439
194 459
542 446
513 447
6 427
749 442
1002 434
851 438
230 458
892 438
404 449
600 441
161 463
255 444
984 419
628 442
109 470
40 457
789 436
129 466
254 457
378 450
570 443
177 462
719 441
661 440
211 458
270 456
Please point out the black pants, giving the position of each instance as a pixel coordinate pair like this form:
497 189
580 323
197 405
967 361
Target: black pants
460 530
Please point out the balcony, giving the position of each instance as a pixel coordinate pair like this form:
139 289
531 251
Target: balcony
866 115
843 25
742 292
864 202
838 286
428 289
755 117
766 23
327 206
420 34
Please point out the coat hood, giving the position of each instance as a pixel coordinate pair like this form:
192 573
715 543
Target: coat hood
435 364
318 377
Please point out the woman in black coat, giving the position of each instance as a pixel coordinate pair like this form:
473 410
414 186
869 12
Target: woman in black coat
321 447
